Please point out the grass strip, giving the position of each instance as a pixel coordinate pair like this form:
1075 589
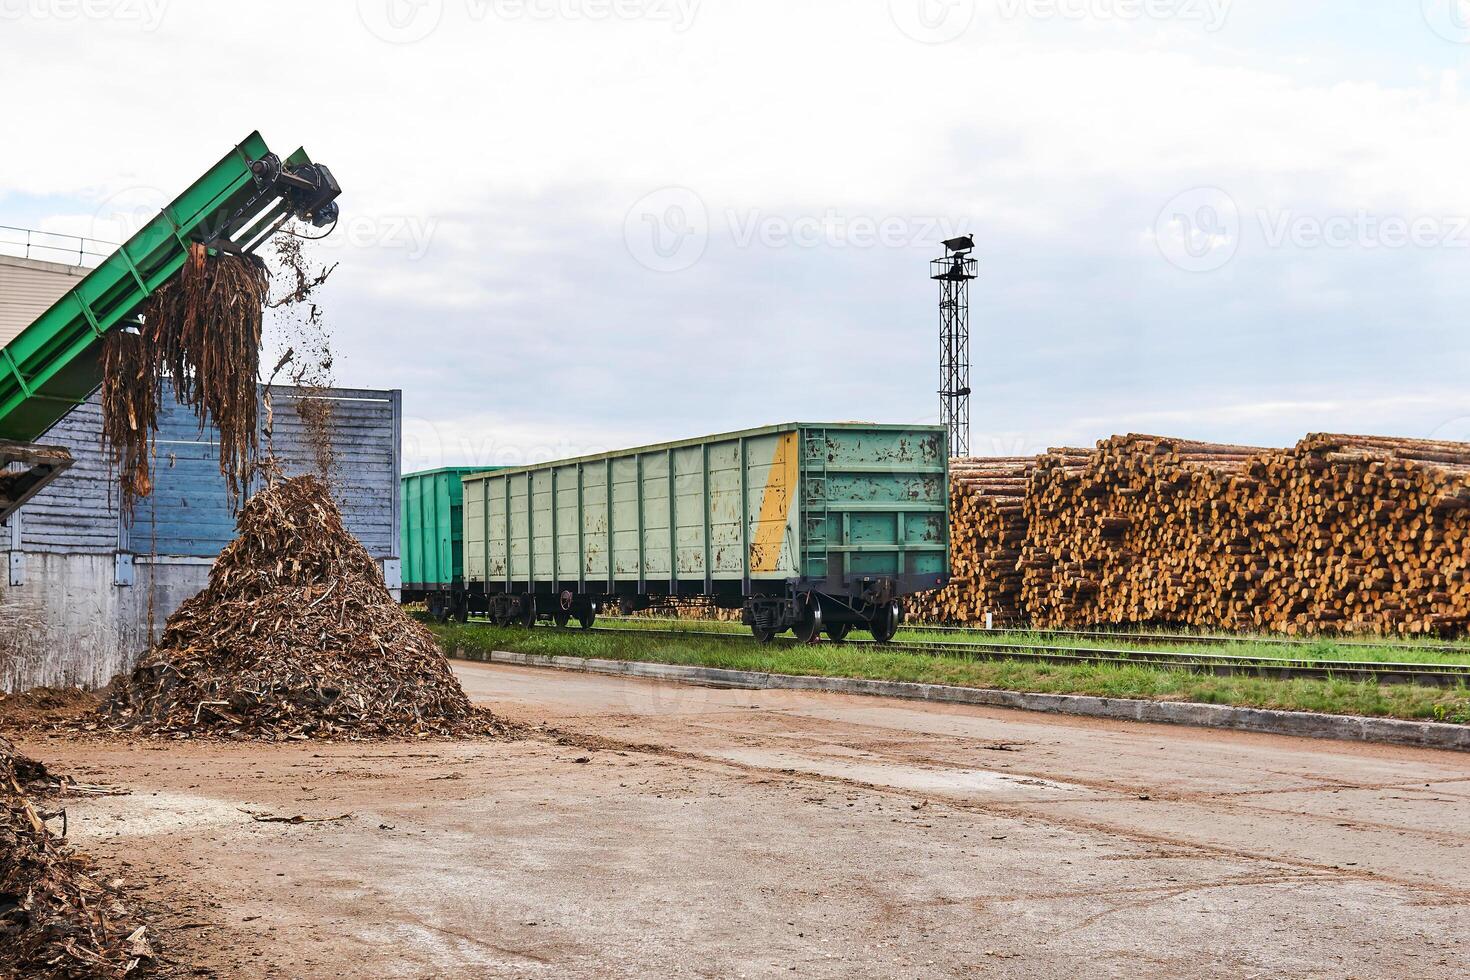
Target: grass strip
1407 651
1339 697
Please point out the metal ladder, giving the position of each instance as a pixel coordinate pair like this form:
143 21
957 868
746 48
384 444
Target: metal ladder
816 519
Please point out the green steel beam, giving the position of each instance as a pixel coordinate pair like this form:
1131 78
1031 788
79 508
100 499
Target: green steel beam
55 362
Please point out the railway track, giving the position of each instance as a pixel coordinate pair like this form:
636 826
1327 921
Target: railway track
1161 639
1195 639
1431 675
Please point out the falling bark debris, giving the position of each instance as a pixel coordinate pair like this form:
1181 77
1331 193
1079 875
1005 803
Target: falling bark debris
302 322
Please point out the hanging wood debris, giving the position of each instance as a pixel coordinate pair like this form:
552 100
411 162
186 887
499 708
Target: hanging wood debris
1339 534
201 332
296 636
56 920
129 411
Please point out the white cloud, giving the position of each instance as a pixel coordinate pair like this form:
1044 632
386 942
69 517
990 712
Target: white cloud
489 169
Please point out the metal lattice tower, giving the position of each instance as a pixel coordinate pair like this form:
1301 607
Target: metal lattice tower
953 273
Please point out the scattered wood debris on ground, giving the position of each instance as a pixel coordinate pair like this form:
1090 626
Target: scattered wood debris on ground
42 706
295 637
56 919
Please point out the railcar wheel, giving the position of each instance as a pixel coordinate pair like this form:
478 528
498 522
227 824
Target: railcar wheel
438 608
837 632
461 610
884 623
762 635
561 618
809 627
586 618
527 618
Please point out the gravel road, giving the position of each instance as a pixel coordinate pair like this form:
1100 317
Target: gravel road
661 830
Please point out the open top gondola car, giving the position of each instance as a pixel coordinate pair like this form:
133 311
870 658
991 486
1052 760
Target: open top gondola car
809 527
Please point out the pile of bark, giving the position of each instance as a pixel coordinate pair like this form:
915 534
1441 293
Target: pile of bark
987 533
56 920
296 636
1339 534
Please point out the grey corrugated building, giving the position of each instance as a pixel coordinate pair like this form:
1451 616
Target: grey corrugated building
83 590
28 287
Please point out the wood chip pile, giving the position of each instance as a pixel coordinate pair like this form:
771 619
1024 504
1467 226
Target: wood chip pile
296 636
56 921
1339 534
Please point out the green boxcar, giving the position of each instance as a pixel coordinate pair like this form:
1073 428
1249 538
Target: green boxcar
807 526
432 536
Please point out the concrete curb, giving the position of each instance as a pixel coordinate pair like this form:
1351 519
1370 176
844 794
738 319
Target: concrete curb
1348 728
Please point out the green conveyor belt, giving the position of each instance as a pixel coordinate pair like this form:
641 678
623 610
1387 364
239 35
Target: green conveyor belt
54 364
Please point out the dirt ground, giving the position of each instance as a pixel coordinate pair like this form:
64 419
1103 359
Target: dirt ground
695 832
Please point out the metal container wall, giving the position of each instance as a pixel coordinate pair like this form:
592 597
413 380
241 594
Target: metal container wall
432 548
875 503
815 504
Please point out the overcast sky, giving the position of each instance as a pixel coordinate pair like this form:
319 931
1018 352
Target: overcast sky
571 225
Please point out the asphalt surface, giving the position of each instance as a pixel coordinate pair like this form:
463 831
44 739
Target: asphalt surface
662 830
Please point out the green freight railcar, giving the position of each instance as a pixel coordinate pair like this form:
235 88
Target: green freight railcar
811 527
431 545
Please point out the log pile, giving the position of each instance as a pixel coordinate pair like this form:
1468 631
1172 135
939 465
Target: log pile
296 636
1128 533
987 532
1339 534
1368 535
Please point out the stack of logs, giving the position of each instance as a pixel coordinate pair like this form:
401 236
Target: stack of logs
987 498
1340 534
